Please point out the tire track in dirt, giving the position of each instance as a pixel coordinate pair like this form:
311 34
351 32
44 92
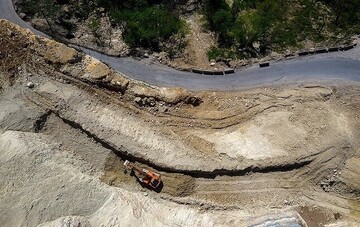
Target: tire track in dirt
176 182
268 184
237 185
49 105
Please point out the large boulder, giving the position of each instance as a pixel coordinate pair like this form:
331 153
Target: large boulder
95 69
58 53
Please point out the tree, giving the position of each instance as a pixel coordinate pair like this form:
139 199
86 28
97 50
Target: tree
222 24
47 9
347 12
212 7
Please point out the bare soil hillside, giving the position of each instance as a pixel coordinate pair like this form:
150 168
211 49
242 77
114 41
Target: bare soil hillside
272 155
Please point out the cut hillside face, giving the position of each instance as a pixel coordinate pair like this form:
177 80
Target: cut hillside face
59 57
251 157
223 144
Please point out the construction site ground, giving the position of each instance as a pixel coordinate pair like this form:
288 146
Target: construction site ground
285 154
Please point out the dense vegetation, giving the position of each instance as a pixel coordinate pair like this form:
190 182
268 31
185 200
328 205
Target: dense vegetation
146 23
253 27
146 27
246 28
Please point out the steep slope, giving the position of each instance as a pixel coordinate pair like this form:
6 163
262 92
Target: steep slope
252 157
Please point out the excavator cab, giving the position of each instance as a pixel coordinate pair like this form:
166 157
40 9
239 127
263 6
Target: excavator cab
145 176
155 182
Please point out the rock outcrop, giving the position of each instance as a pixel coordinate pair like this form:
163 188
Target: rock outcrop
67 60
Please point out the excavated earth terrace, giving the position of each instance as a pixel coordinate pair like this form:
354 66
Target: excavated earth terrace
282 155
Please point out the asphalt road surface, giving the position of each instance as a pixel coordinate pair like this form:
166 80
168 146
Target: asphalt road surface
327 68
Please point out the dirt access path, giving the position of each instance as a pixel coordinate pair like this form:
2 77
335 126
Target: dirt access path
199 43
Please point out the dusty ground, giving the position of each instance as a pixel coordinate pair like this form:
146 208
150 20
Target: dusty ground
199 42
281 155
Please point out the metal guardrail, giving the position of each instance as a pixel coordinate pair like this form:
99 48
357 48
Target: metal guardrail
320 51
229 71
303 53
215 72
333 49
197 71
327 50
264 64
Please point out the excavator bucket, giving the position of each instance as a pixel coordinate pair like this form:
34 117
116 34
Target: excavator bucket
127 163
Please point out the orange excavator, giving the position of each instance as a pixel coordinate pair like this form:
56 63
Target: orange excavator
145 176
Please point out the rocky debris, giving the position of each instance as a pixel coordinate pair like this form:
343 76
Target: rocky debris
195 101
151 102
138 100
350 172
41 24
72 63
168 95
162 108
95 69
58 53
30 85
105 39
119 80
329 182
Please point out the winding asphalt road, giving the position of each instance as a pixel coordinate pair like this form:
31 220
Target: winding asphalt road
334 67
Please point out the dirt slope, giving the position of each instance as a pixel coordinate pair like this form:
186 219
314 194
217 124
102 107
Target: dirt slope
281 155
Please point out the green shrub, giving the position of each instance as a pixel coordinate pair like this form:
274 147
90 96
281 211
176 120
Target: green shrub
94 26
123 4
147 27
220 19
277 24
46 9
346 13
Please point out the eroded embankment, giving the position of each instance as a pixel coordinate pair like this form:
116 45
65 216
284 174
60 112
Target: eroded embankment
215 135
267 148
124 155
315 169
21 46
197 174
